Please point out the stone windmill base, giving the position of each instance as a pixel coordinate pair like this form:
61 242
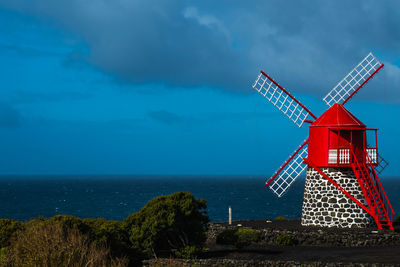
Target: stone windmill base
325 205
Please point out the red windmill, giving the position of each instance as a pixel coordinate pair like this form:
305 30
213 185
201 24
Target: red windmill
342 184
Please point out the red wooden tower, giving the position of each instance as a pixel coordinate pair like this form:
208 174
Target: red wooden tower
339 151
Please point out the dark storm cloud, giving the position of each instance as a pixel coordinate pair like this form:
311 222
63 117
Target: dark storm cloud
308 46
9 116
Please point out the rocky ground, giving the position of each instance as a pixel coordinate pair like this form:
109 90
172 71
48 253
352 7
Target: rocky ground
316 247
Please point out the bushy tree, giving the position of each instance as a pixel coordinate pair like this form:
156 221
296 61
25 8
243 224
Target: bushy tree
168 223
113 234
7 228
176 223
44 243
101 232
69 221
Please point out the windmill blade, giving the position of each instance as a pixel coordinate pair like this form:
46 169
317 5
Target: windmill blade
282 99
353 82
382 164
289 171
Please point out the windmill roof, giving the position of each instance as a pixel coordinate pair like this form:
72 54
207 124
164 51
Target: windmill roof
337 116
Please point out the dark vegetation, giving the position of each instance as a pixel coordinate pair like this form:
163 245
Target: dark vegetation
167 225
286 240
240 238
281 218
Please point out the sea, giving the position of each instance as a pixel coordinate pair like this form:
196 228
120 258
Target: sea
115 197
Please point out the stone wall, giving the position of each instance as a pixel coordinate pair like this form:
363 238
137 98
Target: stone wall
313 236
306 236
248 263
325 205
333 238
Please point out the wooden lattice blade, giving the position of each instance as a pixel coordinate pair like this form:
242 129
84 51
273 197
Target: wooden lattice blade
282 99
353 81
289 171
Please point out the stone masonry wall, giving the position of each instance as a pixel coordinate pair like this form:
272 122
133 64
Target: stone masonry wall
325 205
253 263
316 236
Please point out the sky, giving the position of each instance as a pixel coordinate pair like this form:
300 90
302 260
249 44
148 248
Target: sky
165 87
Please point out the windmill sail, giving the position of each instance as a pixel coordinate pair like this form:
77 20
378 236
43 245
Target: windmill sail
353 81
282 99
289 171
382 164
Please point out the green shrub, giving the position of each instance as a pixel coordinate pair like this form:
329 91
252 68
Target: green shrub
239 238
281 218
69 221
102 232
175 224
245 237
43 243
3 256
189 252
35 221
168 223
227 237
7 228
286 240
109 233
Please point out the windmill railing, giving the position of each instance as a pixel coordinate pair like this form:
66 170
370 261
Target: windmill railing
371 155
346 156
340 156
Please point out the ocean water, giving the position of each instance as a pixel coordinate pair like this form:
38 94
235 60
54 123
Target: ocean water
115 197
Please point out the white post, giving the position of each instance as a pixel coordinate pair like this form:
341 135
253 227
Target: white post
230 215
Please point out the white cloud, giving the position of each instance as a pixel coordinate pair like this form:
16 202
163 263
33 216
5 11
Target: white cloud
209 21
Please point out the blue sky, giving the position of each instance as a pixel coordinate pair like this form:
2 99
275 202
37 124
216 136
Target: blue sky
164 87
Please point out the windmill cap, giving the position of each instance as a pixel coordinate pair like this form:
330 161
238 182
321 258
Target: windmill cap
337 116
